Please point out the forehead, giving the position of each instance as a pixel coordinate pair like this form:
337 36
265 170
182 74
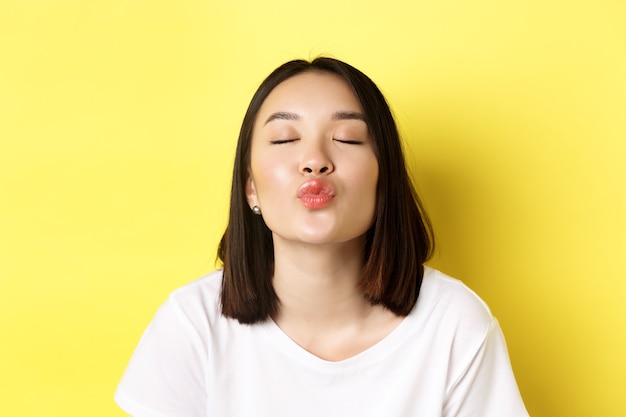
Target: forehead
313 90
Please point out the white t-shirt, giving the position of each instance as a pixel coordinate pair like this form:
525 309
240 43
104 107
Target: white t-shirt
447 358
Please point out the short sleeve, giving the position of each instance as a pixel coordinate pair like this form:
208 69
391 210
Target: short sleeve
166 374
487 387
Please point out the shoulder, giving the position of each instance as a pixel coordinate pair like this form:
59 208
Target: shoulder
203 288
468 337
450 296
453 312
197 302
165 371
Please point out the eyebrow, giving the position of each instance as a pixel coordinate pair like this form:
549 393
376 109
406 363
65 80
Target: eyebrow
348 115
282 115
340 115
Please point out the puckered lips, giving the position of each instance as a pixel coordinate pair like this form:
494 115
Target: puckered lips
316 194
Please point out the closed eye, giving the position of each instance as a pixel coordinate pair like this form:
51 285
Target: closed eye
349 141
282 141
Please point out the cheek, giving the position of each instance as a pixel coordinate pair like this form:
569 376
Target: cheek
368 172
271 176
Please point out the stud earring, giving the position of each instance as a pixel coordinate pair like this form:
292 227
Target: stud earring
256 210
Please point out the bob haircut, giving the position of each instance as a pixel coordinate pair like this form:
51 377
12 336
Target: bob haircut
397 244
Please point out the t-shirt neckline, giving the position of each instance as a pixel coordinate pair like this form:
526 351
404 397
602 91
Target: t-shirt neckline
372 354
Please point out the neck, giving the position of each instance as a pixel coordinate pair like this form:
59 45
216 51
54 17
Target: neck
317 284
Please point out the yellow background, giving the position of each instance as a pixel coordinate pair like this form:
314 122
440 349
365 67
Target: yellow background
118 121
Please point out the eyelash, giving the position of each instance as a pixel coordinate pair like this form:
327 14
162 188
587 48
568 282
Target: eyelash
345 141
282 141
349 141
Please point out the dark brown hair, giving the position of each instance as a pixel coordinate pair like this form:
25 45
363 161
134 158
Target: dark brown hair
399 241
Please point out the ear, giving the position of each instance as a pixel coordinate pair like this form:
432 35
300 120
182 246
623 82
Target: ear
251 195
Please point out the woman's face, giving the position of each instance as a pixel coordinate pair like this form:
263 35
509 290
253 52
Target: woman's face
313 171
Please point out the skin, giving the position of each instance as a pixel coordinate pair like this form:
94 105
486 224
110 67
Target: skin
310 129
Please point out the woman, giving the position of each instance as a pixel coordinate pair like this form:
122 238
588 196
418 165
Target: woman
323 307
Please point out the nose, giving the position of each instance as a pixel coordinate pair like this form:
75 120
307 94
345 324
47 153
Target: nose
316 161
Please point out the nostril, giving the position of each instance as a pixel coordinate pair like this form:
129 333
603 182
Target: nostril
315 171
